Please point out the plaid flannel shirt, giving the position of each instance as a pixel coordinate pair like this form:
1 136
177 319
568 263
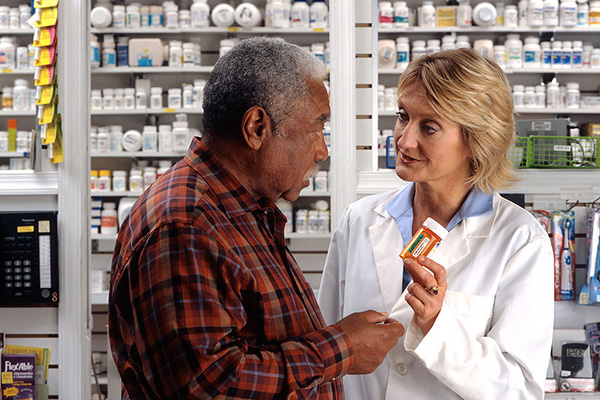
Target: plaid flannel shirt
206 301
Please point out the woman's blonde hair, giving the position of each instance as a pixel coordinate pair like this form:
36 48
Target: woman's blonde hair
471 91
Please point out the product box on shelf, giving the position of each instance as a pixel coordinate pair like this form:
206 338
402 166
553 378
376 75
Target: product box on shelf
591 129
18 376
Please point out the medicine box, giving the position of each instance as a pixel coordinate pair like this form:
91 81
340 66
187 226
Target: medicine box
18 376
146 52
591 129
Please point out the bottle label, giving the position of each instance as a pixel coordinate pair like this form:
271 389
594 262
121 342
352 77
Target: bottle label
566 58
547 59
401 19
529 57
556 58
419 245
577 58
386 17
402 56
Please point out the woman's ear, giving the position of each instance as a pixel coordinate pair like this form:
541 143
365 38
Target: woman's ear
256 127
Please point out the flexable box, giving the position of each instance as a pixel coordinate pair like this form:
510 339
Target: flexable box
18 376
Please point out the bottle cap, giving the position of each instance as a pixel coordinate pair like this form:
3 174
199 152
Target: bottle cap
12 124
436 228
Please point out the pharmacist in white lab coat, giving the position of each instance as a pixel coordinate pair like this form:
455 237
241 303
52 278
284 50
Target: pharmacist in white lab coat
487 332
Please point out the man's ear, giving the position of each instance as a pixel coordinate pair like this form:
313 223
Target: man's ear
256 127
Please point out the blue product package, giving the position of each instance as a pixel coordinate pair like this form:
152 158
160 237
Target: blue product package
390 152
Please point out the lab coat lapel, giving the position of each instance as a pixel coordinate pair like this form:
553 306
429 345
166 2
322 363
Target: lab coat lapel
385 239
453 248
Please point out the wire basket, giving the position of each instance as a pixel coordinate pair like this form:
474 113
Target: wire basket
562 152
518 154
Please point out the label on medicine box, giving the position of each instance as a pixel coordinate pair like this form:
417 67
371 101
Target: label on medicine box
18 376
445 16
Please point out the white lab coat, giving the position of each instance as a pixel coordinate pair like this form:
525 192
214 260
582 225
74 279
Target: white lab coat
492 338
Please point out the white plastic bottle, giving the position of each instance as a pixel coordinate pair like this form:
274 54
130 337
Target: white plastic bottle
485 47
187 96
500 56
94 52
175 54
116 138
198 92
165 139
511 16
144 16
551 13
519 95
401 14
278 14
523 10
181 136
188 54
583 13
319 14
174 98
573 95
156 16
118 101
529 101
21 95
109 54
418 49
427 15
448 42
464 13
588 47
133 16
514 51
300 14
532 53
552 94
557 54
546 54
136 181
200 14
535 13
171 12
223 15
141 99
108 224
101 14
386 14
540 96
484 14
567 54
96 101
149 138
462 42
577 58
433 46
402 53
568 13
129 99
7 53
118 17
108 99
500 13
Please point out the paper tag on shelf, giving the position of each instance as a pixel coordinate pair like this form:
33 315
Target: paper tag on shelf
45 3
7 71
233 29
44 36
47 17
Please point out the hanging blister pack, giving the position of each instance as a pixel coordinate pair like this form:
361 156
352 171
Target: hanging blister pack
563 241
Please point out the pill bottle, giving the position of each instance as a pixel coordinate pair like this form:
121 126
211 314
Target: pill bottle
156 101
426 15
185 19
380 97
567 54
402 53
556 54
118 17
514 51
141 99
540 96
485 47
101 14
175 54
223 15
433 46
129 98
386 14
181 136
136 181
174 98
188 55
500 7
94 52
200 12
187 96
144 16
150 138
552 95
425 240
163 166
484 14
319 14
133 16
156 16
511 16
391 100
21 95
171 15
522 9
165 139
464 13
447 42
94 180
7 98
401 14
22 142
595 58
529 101
318 49
462 42
8 53
149 176
577 57
546 54
118 99
583 13
109 54
568 13
119 183
108 224
93 140
116 138
418 49
24 15
300 14
108 99
573 95
551 13
132 140
500 56
532 53
535 13
104 182
519 95
586 54
301 222
594 17
123 51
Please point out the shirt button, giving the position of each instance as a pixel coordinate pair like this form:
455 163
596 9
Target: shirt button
401 368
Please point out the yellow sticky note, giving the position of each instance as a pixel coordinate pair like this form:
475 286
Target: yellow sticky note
47 17
45 3
57 147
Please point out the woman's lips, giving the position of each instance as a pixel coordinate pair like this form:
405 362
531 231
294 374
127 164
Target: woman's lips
407 159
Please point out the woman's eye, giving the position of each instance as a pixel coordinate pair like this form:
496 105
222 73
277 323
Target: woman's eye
402 116
429 129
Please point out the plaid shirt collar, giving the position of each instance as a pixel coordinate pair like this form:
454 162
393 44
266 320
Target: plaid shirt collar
234 196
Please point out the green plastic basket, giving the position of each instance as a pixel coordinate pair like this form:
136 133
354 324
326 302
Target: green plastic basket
562 152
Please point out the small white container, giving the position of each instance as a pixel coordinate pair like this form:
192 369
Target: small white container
101 14
535 13
103 140
485 47
583 13
552 95
174 98
500 56
156 100
247 15
223 15
116 138
225 45
540 96
150 139
532 53
109 219
119 182
546 54
188 55
386 14
519 95
3 141
141 100
401 15
402 53
165 139
107 99
551 12
200 14
514 51
426 15
319 14
511 16
557 54
185 19
568 13
149 176
464 13
484 14
181 136
21 95
573 95
129 98
118 17
118 99
134 20
104 181
132 140
175 54
529 101
595 58
322 181
136 181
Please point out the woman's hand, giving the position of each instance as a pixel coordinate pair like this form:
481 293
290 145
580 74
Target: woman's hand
422 291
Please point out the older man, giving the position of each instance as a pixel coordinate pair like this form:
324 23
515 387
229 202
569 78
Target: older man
206 300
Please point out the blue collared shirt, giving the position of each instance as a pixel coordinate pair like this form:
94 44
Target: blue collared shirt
400 208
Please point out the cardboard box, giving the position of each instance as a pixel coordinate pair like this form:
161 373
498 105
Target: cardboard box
590 129
18 376
445 15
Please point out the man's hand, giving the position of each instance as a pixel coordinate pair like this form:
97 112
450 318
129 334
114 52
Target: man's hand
372 335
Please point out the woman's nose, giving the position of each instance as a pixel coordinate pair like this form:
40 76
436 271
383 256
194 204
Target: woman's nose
406 136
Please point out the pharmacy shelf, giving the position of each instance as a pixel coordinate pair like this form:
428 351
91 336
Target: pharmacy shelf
147 111
99 298
152 70
104 236
16 72
569 71
531 181
110 193
12 32
309 193
495 29
524 111
212 30
312 236
138 154
572 395
13 113
13 154
28 183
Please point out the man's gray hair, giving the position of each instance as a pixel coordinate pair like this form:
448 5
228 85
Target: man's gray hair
265 72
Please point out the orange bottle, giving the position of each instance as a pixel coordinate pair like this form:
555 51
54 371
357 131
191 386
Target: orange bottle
426 239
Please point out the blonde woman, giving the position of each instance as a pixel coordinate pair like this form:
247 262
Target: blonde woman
479 311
